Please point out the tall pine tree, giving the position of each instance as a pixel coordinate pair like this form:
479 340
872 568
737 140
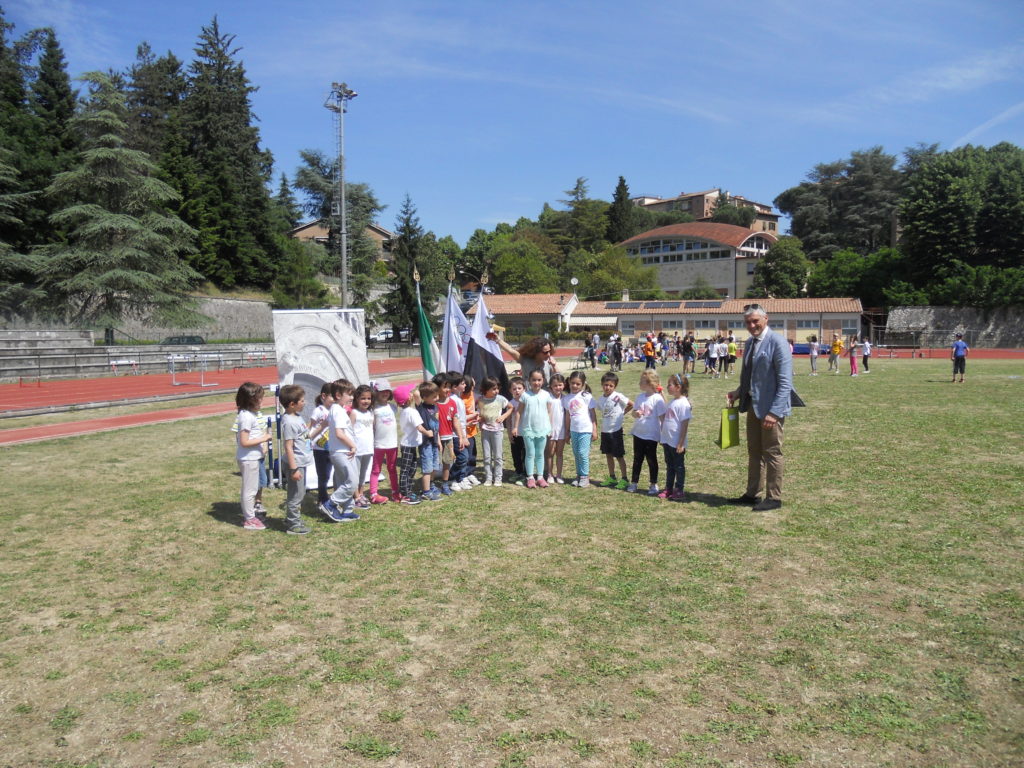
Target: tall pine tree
123 253
238 244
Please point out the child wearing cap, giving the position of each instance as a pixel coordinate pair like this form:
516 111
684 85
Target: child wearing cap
412 431
385 441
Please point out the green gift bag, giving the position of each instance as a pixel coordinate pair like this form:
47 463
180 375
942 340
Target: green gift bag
729 432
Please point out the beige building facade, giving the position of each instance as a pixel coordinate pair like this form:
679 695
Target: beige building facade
723 255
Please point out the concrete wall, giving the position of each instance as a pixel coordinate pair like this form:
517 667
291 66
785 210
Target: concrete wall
936 326
232 319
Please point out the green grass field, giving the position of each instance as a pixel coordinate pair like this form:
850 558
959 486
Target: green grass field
875 620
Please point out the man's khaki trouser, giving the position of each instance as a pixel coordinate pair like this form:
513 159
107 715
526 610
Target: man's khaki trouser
764 458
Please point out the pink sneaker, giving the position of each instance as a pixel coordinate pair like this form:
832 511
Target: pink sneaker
378 499
542 483
396 497
664 495
677 496
254 524
531 483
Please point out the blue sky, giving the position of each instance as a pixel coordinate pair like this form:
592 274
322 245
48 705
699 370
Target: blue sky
482 111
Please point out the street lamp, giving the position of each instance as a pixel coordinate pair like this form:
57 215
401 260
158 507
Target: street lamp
337 102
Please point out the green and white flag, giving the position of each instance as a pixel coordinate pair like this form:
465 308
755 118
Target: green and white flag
429 351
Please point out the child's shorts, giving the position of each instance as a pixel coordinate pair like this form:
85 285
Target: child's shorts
430 458
612 445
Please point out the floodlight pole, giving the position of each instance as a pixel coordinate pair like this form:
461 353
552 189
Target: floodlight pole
337 102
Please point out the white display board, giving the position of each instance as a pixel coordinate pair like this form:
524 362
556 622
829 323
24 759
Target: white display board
315 346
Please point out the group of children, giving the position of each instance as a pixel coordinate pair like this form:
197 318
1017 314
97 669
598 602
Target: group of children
357 431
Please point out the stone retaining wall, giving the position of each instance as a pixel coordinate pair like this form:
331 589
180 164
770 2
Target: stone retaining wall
236 319
936 326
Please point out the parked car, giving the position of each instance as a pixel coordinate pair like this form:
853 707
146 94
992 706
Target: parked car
184 340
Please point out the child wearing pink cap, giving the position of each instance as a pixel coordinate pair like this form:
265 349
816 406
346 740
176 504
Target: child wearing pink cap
385 441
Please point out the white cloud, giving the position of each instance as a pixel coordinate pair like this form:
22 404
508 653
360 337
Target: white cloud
978 130
80 27
924 85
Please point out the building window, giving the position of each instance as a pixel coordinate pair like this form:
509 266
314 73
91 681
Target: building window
751 266
705 324
806 324
628 327
673 324
777 325
736 325
850 327
771 226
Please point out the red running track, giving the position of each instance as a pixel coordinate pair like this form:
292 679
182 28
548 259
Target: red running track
31 394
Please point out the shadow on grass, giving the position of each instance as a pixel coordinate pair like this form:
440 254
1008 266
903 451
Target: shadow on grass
226 512
230 513
710 499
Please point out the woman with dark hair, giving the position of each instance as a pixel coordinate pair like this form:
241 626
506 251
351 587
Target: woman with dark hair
538 354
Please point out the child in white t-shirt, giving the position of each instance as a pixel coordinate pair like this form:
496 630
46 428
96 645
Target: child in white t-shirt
647 410
250 440
385 441
581 424
411 432
342 445
362 432
674 428
613 407
553 453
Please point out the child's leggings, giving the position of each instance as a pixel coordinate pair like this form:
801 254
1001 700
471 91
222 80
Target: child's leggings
250 484
345 480
322 460
407 467
581 451
853 365
493 460
380 456
518 452
535 454
675 468
645 449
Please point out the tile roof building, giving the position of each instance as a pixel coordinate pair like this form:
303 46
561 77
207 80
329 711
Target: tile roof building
724 255
797 319
701 205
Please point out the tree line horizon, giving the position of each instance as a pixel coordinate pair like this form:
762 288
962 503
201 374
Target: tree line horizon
124 198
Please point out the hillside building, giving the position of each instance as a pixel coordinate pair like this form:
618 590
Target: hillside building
724 255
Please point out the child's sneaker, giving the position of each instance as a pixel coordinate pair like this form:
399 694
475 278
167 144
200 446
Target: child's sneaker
328 510
396 497
542 483
432 494
559 480
611 482
550 479
531 483
299 530
622 485
497 483
411 500
378 499
446 489
653 490
581 482
631 488
347 517
254 524
664 495
488 481
677 496
362 503
519 479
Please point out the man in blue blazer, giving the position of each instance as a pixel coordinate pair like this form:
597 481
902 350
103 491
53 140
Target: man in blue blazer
764 394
